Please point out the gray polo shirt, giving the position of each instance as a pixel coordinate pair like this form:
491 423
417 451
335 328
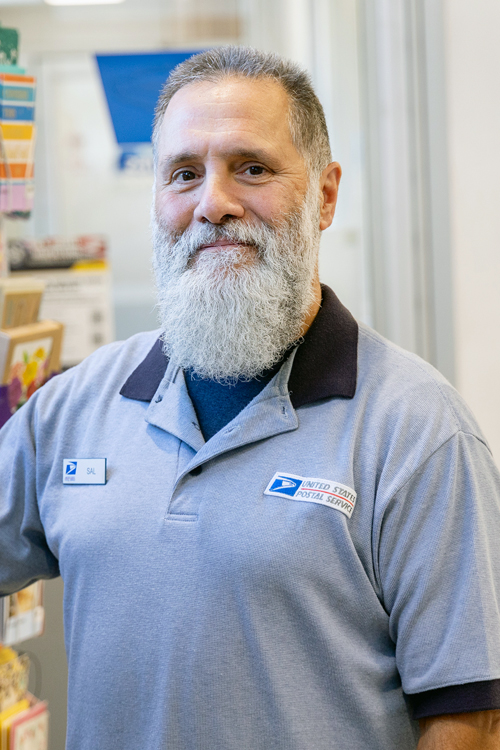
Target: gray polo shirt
282 585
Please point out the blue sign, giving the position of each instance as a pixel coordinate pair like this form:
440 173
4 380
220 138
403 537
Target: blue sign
132 84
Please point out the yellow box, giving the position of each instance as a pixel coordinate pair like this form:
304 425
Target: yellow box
17 132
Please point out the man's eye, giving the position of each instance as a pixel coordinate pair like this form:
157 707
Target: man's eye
255 170
185 176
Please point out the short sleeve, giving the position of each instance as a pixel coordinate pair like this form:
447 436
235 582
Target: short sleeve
24 554
439 568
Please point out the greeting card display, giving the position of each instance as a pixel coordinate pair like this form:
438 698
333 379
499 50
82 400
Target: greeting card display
29 355
14 674
29 730
25 726
22 615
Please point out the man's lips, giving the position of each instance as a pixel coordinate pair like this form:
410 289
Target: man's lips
223 243
248 253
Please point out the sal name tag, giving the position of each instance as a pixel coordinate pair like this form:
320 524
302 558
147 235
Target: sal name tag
84 471
313 490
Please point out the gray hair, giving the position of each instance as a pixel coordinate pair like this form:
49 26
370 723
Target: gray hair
306 116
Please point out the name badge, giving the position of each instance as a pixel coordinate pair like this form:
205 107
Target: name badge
84 471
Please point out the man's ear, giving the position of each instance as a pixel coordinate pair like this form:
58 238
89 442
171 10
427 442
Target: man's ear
329 186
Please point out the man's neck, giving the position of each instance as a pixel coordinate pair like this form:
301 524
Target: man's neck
314 308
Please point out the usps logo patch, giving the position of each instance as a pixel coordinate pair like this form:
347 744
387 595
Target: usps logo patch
71 467
313 490
284 484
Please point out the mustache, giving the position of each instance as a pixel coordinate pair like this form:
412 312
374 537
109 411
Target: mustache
186 243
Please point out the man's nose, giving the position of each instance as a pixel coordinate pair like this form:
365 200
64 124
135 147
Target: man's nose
218 201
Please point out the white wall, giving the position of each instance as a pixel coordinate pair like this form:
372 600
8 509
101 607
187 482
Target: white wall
473 76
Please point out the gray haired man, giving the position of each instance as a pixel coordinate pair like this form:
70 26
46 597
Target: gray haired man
297 543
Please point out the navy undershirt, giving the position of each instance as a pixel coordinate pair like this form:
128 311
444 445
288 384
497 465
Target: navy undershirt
217 404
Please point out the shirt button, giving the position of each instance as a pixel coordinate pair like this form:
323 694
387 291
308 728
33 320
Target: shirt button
196 471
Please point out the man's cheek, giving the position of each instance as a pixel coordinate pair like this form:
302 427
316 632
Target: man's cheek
174 212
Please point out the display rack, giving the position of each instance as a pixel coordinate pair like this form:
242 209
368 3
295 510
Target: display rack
24 359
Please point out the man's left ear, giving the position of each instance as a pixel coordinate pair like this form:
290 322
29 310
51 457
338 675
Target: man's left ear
329 186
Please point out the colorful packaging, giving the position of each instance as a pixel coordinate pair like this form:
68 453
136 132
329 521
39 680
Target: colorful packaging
14 674
29 729
17 142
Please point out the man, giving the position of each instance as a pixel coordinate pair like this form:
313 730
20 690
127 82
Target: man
297 544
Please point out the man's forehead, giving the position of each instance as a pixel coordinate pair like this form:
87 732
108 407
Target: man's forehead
251 110
234 117
230 88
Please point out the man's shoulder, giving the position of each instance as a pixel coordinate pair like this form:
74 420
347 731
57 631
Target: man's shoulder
118 359
403 385
127 354
101 375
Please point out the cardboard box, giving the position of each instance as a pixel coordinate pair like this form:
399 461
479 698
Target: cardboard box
20 301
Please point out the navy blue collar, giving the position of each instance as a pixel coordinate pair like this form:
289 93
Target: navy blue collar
325 364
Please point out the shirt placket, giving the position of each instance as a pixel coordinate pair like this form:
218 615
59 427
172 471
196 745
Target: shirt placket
270 413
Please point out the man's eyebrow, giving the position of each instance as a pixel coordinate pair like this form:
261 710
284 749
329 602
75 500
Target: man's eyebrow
186 157
252 154
182 158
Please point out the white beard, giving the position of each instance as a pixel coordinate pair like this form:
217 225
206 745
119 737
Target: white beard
233 313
